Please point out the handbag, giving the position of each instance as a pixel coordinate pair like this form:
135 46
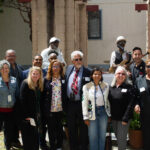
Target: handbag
108 141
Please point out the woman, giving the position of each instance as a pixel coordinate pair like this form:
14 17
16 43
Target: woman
8 93
121 97
96 110
54 103
143 105
30 95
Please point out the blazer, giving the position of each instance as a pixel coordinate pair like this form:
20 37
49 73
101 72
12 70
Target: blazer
89 100
85 76
47 96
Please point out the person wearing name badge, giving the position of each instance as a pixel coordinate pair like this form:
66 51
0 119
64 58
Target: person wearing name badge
8 92
53 103
122 99
96 109
30 96
143 104
76 76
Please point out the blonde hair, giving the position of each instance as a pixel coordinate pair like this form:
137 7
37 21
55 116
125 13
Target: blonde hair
39 82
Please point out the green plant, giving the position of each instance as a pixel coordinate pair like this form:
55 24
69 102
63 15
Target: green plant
135 123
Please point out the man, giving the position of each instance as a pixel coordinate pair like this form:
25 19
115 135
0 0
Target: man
54 43
137 68
37 61
76 76
15 71
118 56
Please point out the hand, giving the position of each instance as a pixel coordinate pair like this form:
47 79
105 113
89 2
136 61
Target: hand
137 109
87 122
124 123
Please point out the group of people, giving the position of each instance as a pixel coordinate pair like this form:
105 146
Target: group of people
37 99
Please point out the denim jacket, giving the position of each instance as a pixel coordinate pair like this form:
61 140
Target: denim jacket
8 96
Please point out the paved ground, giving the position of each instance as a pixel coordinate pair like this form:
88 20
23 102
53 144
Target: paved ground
65 147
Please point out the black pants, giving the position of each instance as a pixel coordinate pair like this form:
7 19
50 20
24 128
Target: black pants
78 131
55 130
7 119
30 136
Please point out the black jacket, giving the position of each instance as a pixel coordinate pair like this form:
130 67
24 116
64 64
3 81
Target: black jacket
121 102
47 96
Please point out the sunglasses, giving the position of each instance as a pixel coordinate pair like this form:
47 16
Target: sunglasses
78 59
56 67
148 66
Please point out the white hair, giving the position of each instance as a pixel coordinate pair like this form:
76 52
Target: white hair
10 51
77 52
3 62
120 68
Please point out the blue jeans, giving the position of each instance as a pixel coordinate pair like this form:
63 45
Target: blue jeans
97 129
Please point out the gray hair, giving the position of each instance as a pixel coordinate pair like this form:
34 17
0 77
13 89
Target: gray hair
77 52
127 80
10 51
3 62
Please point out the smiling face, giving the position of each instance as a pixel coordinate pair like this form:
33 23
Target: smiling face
137 56
11 57
5 70
35 76
120 76
97 75
37 61
56 68
77 61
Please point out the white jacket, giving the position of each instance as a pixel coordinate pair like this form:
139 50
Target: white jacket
88 100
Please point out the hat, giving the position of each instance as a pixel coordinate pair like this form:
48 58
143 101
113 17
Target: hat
120 38
53 39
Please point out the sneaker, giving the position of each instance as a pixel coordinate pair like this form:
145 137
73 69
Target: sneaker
17 145
44 147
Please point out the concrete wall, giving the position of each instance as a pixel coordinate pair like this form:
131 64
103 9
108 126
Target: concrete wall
14 34
118 18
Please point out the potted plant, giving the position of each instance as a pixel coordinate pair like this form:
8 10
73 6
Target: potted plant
135 133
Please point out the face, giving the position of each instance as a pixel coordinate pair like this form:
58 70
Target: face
5 70
122 43
77 61
54 45
148 68
96 76
52 57
137 56
56 68
35 75
11 57
120 76
37 61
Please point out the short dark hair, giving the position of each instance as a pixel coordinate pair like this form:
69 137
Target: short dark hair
96 69
137 48
52 51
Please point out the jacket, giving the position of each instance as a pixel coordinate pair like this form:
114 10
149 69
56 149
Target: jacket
88 100
5 102
47 96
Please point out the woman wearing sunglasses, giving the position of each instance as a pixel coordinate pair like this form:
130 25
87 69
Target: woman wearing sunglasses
121 97
96 109
54 103
143 105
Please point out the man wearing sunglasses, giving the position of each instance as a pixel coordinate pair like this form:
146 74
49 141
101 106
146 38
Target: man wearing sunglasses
76 76
119 55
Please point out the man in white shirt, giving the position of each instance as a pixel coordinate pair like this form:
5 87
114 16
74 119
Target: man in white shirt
54 43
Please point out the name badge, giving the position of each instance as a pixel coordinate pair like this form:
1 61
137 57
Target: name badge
87 79
142 89
32 122
63 81
124 90
9 98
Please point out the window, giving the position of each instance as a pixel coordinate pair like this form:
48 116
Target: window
95 24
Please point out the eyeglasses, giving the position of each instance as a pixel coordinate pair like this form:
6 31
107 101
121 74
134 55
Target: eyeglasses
56 67
38 59
78 59
148 66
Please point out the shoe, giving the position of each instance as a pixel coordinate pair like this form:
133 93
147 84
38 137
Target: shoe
16 145
44 147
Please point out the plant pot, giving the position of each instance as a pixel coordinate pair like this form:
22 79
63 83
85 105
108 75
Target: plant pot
135 138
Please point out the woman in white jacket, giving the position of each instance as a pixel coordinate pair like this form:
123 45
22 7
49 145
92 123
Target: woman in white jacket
96 109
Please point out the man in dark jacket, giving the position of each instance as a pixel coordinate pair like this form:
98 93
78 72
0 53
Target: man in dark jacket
76 76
